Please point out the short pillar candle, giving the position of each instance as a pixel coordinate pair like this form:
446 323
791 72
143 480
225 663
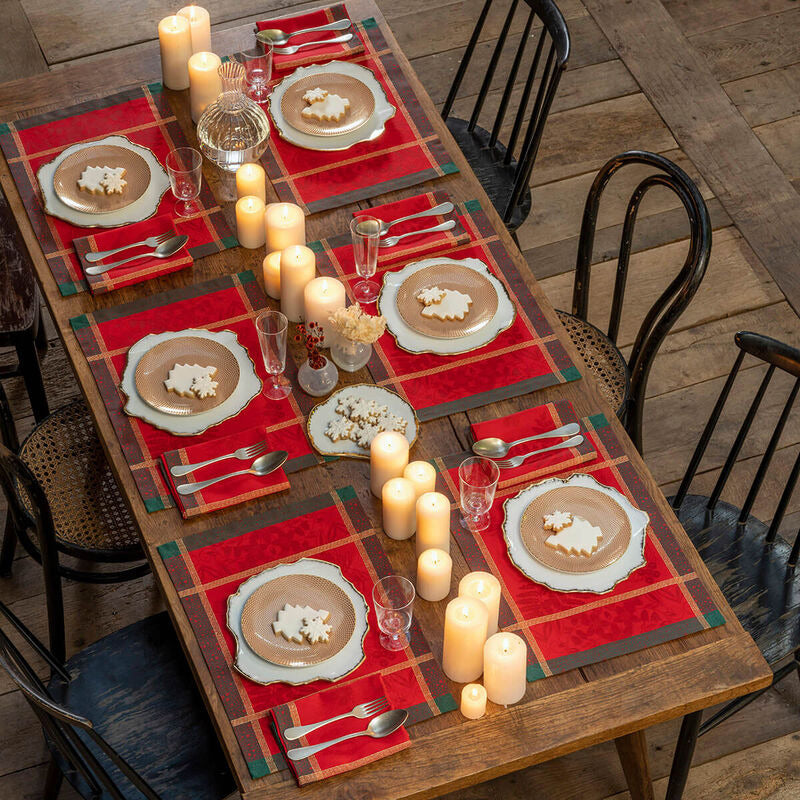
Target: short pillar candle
505 665
298 267
422 475
322 297
485 587
251 180
175 41
473 701
434 573
272 274
433 522
388 457
200 26
284 225
205 84
465 623
249 230
398 501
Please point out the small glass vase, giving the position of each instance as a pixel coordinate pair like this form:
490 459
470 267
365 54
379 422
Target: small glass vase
318 382
349 355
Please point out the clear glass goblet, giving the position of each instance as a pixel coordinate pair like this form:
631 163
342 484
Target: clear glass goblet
272 327
257 70
393 597
477 481
366 234
185 170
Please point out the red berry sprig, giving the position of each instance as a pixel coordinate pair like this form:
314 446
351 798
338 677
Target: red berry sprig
310 335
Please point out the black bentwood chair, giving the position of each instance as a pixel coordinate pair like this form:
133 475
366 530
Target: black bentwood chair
624 384
504 170
754 567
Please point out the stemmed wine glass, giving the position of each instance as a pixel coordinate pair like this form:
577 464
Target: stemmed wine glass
477 480
185 170
272 327
257 70
366 233
393 597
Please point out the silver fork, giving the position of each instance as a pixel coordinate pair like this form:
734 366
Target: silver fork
391 241
243 454
508 463
152 241
361 711
292 49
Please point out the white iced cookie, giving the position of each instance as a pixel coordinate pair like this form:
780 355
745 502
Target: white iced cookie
203 386
365 410
315 95
364 434
580 538
339 428
182 376
331 109
430 295
453 305
557 521
315 629
91 180
113 181
291 619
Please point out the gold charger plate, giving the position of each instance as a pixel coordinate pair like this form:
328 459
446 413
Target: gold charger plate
262 607
595 507
154 366
447 276
362 104
65 178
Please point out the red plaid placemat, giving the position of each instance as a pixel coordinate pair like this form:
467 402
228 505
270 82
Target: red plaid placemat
409 151
525 357
313 55
330 703
659 602
528 423
230 303
145 117
208 567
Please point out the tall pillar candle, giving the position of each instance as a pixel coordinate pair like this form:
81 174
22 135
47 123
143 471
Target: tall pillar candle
200 27
473 701
322 297
465 624
434 573
388 457
175 41
422 475
249 216
285 225
252 180
298 267
505 665
272 274
485 587
433 522
398 500
205 84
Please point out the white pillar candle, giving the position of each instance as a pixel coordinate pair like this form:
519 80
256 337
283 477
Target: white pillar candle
473 701
505 664
322 297
434 571
200 26
205 84
433 522
388 457
175 40
272 274
285 225
485 587
422 475
298 267
249 230
398 499
251 180
465 623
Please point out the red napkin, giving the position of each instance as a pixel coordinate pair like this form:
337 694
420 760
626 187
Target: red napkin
234 490
347 755
528 423
321 53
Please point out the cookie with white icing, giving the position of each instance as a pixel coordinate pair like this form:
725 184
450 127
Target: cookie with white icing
339 428
315 628
580 538
454 305
91 180
291 619
430 295
332 108
557 521
316 95
113 181
203 386
182 376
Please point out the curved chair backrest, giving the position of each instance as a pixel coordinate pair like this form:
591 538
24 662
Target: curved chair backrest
673 301
777 356
552 51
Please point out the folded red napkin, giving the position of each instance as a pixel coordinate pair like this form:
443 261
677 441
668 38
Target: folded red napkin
528 423
321 53
347 755
234 490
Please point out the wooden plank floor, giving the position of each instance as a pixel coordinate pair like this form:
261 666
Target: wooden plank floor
609 101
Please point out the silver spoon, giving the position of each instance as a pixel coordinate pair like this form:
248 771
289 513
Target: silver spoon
164 250
497 448
267 463
515 461
278 38
380 726
391 241
442 208
288 51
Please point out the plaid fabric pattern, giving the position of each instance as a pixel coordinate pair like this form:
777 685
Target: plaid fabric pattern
208 567
229 302
659 602
408 153
145 117
525 357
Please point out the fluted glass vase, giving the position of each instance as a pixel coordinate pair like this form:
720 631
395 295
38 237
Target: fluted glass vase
233 130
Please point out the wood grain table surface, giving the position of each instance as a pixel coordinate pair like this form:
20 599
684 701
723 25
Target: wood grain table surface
616 699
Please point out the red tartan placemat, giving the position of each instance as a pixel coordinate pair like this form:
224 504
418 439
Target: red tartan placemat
661 601
208 567
145 117
528 423
525 357
409 151
229 302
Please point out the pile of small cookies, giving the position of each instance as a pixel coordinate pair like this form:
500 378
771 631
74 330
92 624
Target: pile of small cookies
361 420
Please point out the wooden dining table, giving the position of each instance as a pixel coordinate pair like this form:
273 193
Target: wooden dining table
617 699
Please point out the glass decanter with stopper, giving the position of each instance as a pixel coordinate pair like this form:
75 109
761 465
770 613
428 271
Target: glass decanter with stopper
233 130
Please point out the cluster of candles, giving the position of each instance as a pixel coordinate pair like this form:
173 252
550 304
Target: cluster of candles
472 644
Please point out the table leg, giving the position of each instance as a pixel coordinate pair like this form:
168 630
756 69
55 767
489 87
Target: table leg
632 751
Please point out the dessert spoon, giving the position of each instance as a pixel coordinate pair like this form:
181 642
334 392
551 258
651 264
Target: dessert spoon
288 51
278 38
164 250
261 466
497 448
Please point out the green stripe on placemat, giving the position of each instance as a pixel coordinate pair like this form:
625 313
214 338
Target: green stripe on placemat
156 87
4 128
472 206
248 276
449 168
317 247
154 504
534 672
168 550
714 618
598 421
346 494
79 323
570 374
446 703
369 23
258 768
229 241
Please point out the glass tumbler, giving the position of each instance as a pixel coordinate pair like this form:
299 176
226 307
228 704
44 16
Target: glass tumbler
366 233
393 597
477 481
272 327
185 170
257 70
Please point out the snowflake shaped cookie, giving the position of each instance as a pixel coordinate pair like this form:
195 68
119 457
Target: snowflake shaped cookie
113 181
290 620
365 433
339 428
362 409
203 386
344 403
331 108
581 538
315 95
315 629
91 180
454 305
389 421
557 521
430 295
182 377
